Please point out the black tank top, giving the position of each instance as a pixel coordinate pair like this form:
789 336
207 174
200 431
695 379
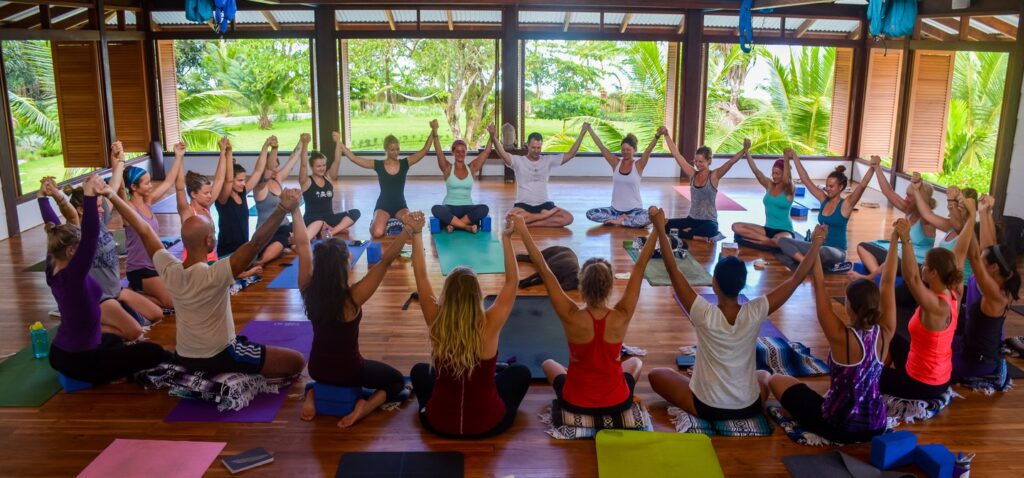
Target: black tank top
334 357
232 224
392 186
319 199
982 334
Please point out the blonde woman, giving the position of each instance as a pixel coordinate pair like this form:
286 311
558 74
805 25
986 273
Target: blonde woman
460 395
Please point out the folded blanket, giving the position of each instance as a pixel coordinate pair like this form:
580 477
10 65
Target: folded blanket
1013 346
230 391
999 381
241 284
566 425
749 427
778 355
797 433
907 410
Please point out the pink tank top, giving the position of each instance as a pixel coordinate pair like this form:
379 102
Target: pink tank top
931 353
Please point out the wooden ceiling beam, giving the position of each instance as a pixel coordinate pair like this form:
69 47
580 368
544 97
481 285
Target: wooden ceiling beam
806 25
682 26
269 16
54 15
625 22
391 19
999 25
451 21
965 31
566 22
936 33
769 4
13 9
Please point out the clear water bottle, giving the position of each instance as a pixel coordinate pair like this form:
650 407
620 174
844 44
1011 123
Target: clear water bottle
40 341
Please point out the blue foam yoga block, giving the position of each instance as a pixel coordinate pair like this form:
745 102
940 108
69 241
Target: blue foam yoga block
800 191
891 450
335 401
485 224
435 225
71 385
935 460
798 211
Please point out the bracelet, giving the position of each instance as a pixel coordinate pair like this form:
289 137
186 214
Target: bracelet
282 208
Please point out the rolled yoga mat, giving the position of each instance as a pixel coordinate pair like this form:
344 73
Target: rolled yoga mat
532 334
640 454
480 252
722 202
656 274
27 381
289 276
420 464
296 335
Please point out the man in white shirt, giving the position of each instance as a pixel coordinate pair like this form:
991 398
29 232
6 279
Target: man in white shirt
532 174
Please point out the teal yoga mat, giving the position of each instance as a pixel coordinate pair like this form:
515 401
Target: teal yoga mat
26 381
657 275
480 252
638 454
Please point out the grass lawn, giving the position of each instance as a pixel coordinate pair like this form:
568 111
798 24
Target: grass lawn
30 172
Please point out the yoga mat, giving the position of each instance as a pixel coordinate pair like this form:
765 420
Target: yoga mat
1013 371
37 267
638 454
26 381
420 464
1018 309
532 334
768 329
154 458
722 202
119 239
296 335
480 252
835 464
289 276
656 274
167 205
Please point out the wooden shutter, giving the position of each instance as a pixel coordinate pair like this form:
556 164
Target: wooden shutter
169 92
76 76
670 85
929 109
840 117
130 95
881 102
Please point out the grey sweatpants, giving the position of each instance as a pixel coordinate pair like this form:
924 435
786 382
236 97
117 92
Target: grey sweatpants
830 256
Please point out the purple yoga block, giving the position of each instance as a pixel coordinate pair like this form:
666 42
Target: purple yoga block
891 450
935 460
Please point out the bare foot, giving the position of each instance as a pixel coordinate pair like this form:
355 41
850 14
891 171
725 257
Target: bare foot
308 407
353 417
251 272
856 275
473 228
450 228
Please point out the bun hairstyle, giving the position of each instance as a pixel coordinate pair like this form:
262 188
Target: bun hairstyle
997 254
76 196
59 237
943 262
195 181
865 301
706 152
315 155
630 139
596 281
839 174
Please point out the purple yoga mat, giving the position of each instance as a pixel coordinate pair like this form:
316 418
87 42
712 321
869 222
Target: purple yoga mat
296 335
768 329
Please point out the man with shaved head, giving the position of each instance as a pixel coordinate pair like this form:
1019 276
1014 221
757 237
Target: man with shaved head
206 339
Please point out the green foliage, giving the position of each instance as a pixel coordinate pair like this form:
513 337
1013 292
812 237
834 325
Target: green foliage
566 67
567 105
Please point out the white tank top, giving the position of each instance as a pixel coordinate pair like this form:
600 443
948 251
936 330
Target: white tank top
626 189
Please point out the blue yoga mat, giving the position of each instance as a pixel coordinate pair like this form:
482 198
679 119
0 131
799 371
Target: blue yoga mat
532 334
289 276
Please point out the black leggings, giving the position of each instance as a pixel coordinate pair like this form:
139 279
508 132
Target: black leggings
689 227
445 213
896 381
373 374
112 360
512 383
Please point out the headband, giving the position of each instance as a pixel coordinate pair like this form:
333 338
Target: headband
135 173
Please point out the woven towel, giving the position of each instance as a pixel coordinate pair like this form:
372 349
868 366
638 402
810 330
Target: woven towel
907 410
230 391
778 355
999 381
748 427
795 432
565 425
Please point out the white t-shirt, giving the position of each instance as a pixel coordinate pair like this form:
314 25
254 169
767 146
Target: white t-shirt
725 375
532 177
202 304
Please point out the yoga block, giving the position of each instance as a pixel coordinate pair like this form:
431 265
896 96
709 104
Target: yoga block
71 385
800 191
935 460
485 224
334 401
798 211
435 225
891 450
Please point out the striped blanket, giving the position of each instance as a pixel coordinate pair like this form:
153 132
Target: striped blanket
230 391
566 425
749 427
778 355
999 381
907 410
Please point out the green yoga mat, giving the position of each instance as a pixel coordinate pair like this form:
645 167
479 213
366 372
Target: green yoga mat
657 275
480 252
637 454
26 381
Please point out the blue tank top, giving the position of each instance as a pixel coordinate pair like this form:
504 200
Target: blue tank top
836 225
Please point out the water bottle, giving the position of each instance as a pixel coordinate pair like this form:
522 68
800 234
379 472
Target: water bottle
40 341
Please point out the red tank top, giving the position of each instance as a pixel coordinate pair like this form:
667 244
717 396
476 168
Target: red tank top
594 378
931 353
466 406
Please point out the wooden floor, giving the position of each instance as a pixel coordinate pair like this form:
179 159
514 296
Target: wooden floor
65 434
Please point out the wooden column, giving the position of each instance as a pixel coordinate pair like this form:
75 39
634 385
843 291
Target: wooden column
325 76
104 59
858 89
511 80
900 145
1008 120
690 124
8 157
149 52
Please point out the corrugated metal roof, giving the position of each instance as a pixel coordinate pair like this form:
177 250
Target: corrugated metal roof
614 18
460 16
656 19
586 18
361 16
792 23
766 23
834 26
984 28
1011 19
721 21
293 16
249 17
171 18
541 17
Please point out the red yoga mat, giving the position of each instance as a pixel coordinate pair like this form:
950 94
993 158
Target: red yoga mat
722 202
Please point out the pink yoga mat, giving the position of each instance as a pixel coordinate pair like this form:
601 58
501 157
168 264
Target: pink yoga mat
154 459
768 329
296 335
722 202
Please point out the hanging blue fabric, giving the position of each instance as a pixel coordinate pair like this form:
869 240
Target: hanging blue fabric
876 16
224 13
745 27
900 18
199 11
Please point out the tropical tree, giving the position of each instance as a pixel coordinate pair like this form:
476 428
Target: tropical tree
801 91
31 94
462 73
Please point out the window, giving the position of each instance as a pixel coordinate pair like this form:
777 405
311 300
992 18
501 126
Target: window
881 104
245 89
397 86
778 96
619 87
28 66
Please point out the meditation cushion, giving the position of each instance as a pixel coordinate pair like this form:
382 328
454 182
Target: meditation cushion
935 460
336 401
891 450
71 385
566 425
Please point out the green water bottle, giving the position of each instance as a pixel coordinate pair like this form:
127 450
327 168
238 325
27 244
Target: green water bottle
40 341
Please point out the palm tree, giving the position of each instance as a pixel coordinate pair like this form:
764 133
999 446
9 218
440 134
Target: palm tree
31 92
801 91
262 73
973 125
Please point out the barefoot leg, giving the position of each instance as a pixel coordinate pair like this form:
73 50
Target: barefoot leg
308 406
363 408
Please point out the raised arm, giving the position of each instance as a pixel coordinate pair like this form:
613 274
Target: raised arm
561 302
358 160
418 155
830 323
303 154
680 159
48 187
493 138
781 293
928 301
427 300
303 249
242 256
499 311
682 287
988 225
763 180
630 296
81 262
116 166
335 166
804 177
477 164
608 155
442 161
184 209
644 158
963 242
261 164
223 175
941 223
718 173
851 201
787 175
364 289
150 239
172 176
990 288
896 200
887 288
575 146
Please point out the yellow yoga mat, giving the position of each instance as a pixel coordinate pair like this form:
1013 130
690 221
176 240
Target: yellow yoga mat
636 454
